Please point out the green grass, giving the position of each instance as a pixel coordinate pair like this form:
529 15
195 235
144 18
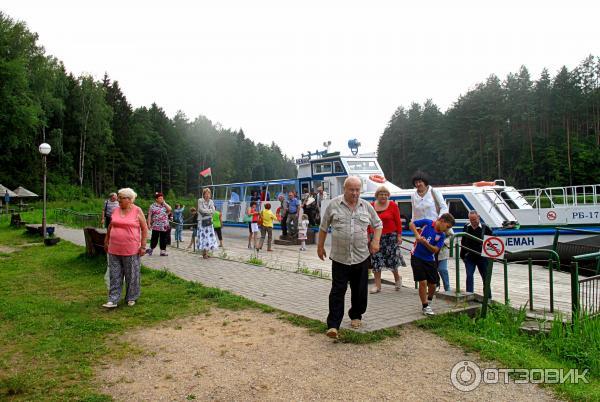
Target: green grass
498 337
54 330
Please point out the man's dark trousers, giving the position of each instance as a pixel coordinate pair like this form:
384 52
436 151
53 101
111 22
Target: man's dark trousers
472 261
284 224
358 276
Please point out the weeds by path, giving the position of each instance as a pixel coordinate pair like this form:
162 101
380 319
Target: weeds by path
498 337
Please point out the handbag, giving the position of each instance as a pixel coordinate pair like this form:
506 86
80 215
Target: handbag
247 218
206 221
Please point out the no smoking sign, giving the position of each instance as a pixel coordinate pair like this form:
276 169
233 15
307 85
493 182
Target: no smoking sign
493 247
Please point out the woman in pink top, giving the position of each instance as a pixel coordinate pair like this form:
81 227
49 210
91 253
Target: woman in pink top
125 243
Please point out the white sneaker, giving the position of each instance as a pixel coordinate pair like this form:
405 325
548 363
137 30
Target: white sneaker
399 284
109 305
131 303
428 311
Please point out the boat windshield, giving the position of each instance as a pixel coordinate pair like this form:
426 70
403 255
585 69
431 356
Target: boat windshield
357 166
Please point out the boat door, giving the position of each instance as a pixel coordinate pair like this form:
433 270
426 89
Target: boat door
304 184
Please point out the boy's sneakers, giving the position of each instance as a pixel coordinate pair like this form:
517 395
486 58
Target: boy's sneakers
131 303
356 323
163 254
149 251
302 249
109 305
428 311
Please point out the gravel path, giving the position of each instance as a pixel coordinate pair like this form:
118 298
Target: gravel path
252 356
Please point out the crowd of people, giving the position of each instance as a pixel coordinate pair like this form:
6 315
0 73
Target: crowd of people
365 236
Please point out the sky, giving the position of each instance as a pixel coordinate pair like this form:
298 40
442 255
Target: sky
302 73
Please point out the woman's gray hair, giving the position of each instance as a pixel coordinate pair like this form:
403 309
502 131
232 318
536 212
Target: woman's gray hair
127 193
206 190
381 189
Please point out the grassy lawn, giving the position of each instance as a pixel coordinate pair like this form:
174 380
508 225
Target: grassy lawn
497 337
54 330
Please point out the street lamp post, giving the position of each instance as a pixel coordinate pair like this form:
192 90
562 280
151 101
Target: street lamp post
44 150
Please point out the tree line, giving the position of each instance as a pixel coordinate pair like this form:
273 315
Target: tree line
100 142
533 133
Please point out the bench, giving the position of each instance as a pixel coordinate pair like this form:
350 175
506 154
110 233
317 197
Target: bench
94 241
35 229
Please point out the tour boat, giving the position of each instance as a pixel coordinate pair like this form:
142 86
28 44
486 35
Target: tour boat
524 219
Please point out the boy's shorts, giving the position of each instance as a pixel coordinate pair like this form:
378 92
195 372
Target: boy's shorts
423 270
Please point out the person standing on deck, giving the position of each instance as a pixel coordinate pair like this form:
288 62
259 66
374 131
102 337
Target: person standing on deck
349 216
293 214
283 213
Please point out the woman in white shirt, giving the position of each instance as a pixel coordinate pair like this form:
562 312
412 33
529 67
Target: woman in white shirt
427 203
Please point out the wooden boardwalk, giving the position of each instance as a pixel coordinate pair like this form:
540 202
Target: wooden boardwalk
276 282
289 258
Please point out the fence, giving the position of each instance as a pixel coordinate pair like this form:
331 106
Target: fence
553 261
585 293
572 249
76 219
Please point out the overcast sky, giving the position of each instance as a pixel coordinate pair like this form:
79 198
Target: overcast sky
300 73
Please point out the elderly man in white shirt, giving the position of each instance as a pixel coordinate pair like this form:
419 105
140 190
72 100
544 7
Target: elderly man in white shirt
349 216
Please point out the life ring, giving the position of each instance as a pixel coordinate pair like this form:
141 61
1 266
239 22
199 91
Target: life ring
377 178
278 214
484 183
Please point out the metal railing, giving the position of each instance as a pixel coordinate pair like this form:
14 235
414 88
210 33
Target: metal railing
180 229
553 261
69 217
585 293
576 249
552 197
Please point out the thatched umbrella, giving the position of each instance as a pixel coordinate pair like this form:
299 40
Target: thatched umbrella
22 192
3 191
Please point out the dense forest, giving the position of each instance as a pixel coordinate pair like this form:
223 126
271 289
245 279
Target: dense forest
540 132
99 141
543 132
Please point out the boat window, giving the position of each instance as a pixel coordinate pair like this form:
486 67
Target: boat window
511 203
362 166
457 208
337 167
320 168
405 208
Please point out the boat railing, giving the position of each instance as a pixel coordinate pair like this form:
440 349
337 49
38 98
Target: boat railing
552 197
585 293
499 204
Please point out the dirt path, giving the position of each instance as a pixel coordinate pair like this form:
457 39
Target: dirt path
249 355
